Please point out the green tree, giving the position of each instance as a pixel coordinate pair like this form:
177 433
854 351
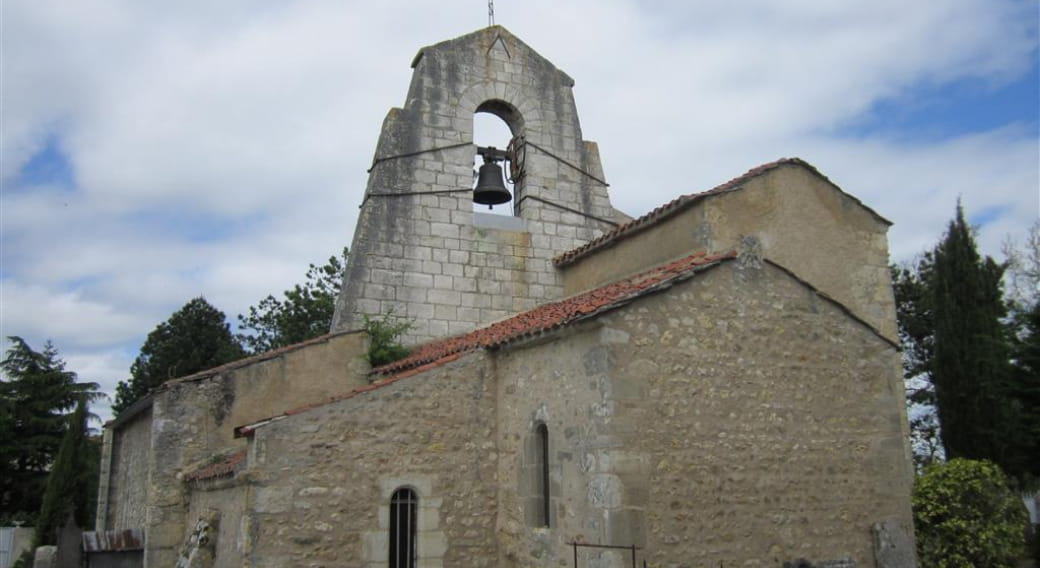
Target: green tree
965 515
71 483
916 323
1024 388
303 312
970 364
36 394
194 338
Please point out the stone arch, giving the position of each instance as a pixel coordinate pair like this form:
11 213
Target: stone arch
507 112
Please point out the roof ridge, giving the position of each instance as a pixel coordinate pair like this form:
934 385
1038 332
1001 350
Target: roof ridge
683 201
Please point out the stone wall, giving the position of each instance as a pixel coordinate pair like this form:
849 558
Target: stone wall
192 423
322 480
419 250
125 474
737 419
800 219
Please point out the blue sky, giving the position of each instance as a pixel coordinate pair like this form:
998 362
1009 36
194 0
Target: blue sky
151 153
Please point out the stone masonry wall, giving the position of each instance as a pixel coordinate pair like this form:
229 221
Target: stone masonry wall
321 480
419 250
194 419
736 419
123 504
801 221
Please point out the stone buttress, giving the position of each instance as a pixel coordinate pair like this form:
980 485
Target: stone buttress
420 251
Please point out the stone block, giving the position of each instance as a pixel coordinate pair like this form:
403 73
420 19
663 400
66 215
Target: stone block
444 230
893 546
443 282
418 280
444 297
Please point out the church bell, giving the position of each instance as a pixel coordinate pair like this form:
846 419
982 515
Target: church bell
490 190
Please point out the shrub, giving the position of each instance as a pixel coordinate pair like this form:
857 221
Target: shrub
384 334
965 515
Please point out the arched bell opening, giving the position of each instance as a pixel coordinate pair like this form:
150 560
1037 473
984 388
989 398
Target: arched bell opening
497 167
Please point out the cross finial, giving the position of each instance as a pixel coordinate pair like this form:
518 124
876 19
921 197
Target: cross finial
491 12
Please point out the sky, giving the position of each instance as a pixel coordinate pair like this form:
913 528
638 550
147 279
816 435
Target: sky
153 152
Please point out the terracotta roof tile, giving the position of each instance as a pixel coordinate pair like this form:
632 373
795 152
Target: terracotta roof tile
555 314
224 468
528 324
681 203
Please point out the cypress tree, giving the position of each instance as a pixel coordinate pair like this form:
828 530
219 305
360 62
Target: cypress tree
970 364
68 486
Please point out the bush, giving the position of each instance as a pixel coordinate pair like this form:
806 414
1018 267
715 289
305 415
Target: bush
965 515
384 335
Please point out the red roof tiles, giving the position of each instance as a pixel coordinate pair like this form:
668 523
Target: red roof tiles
681 203
555 314
528 324
223 468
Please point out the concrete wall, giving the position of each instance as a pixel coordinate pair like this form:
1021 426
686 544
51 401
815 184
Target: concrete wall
419 250
802 221
738 419
322 480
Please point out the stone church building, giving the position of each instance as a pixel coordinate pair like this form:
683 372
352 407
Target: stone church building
715 383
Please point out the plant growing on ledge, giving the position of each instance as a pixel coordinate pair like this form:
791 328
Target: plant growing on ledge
384 334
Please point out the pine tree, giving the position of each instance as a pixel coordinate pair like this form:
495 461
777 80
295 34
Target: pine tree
194 338
970 366
36 394
304 312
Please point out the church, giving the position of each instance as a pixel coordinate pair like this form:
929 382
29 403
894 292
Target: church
715 383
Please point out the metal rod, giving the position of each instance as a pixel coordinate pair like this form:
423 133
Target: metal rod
614 546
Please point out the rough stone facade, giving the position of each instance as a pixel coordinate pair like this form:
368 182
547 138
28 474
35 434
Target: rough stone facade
419 249
187 425
716 383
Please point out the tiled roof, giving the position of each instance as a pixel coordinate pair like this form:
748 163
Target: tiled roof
555 314
223 468
528 324
683 202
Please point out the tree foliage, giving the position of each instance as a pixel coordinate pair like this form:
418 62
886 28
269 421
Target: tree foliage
384 334
36 395
970 364
303 312
194 338
967 353
72 482
965 515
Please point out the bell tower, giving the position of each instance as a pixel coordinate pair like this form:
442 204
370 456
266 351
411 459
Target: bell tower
420 249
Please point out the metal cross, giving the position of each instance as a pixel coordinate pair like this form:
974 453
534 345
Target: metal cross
491 12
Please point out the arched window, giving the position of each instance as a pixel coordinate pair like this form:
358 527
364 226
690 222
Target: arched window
404 510
543 472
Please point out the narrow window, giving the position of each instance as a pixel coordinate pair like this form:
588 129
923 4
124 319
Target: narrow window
404 508
543 473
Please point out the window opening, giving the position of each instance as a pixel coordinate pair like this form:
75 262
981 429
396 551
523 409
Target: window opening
404 507
543 474
490 130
